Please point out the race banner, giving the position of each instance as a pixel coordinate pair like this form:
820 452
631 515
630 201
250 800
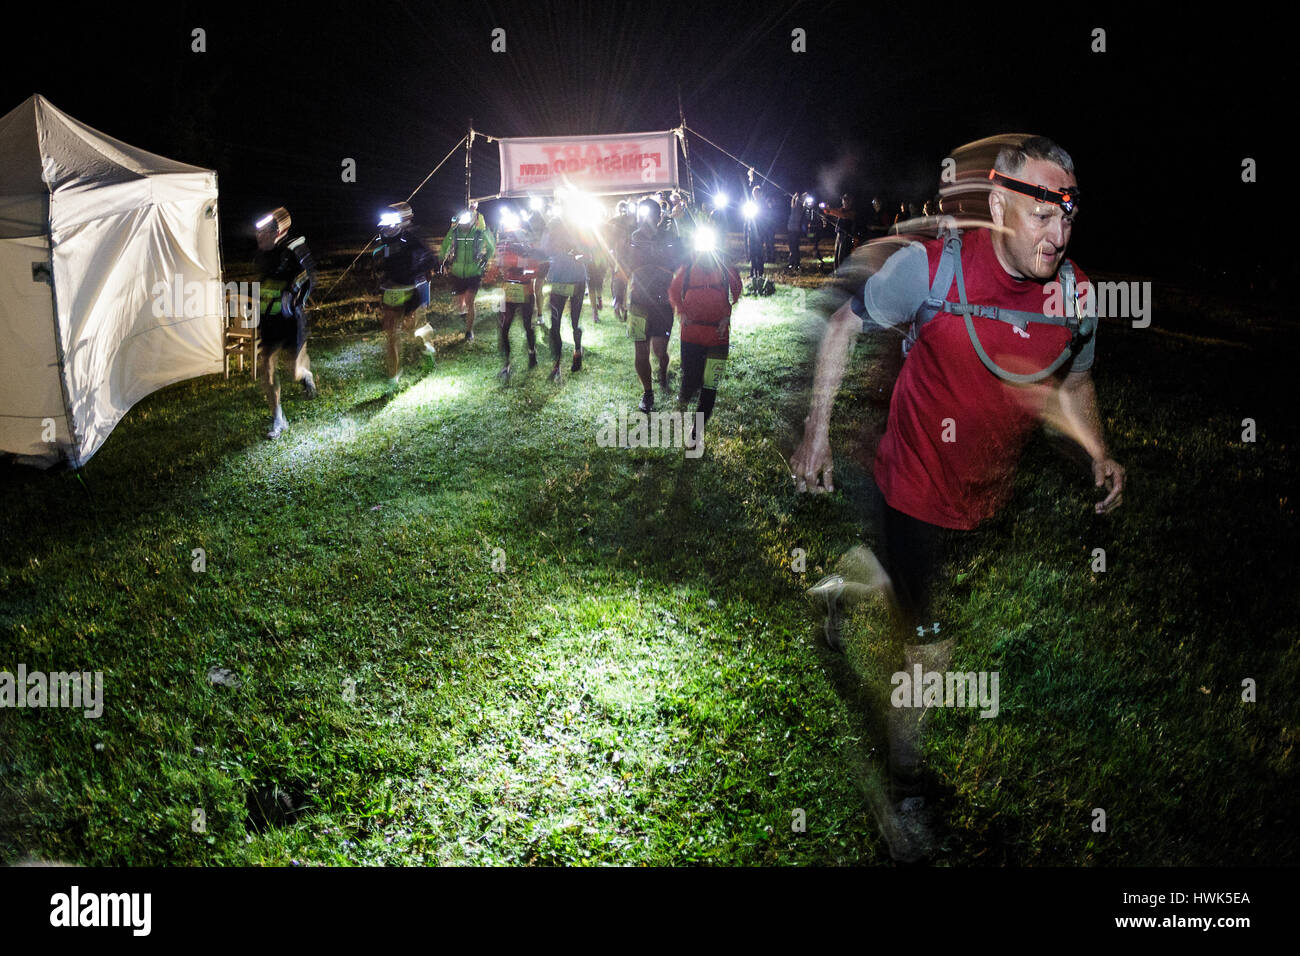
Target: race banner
600 165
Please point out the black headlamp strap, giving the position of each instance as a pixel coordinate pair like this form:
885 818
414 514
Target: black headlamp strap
1066 200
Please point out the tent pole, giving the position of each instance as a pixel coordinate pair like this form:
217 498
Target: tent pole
469 154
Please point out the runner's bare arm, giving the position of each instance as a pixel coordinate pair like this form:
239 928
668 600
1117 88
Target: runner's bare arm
811 464
894 279
1077 402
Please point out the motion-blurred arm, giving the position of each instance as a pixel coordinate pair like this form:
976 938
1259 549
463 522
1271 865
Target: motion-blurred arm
812 464
892 282
1073 410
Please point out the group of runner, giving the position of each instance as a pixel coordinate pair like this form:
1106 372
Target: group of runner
663 264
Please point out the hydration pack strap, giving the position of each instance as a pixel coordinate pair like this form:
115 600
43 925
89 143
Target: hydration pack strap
475 234
724 288
950 266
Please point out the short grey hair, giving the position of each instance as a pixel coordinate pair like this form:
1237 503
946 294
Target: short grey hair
1011 159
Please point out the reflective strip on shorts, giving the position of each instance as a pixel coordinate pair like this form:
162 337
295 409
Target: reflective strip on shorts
271 300
636 323
713 369
399 296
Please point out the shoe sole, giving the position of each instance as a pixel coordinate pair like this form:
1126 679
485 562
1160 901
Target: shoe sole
827 593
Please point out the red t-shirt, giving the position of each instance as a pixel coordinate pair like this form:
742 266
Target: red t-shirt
706 303
955 429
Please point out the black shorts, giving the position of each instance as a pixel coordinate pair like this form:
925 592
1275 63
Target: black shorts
404 299
288 332
648 322
913 552
460 286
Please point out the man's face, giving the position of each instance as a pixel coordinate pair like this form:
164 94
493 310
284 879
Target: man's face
266 237
1030 237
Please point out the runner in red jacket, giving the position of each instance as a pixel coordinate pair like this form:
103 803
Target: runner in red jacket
702 293
519 264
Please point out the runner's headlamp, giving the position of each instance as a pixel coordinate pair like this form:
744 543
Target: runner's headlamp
706 240
1067 200
278 218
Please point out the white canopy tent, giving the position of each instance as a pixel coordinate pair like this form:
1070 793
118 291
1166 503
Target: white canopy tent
91 230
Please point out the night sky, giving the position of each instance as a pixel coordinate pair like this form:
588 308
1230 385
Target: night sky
1158 124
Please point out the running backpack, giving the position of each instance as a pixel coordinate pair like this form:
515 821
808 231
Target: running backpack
477 235
724 288
1081 327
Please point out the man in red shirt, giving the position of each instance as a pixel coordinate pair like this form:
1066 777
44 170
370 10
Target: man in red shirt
957 427
702 293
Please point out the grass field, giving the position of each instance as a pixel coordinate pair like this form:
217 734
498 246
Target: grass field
644 682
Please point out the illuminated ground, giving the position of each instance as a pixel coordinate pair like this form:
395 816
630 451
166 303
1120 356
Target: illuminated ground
643 683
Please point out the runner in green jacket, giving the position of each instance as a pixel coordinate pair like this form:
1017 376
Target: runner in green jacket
466 250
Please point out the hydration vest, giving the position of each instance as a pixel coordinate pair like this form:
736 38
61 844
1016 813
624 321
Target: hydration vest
475 233
1081 327
515 262
724 287
294 273
404 261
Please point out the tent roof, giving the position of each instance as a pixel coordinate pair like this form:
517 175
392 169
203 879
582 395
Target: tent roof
44 151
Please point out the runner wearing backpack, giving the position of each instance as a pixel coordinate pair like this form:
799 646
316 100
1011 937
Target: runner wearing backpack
989 357
404 263
654 260
288 275
567 275
518 264
466 250
702 293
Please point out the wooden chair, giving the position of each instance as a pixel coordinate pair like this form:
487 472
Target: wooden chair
241 338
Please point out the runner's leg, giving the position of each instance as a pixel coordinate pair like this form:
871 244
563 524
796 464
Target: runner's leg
271 387
660 345
692 358
390 318
530 331
575 315
503 333
641 362
557 312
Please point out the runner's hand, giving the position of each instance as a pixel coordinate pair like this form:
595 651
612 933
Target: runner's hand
1110 474
811 465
